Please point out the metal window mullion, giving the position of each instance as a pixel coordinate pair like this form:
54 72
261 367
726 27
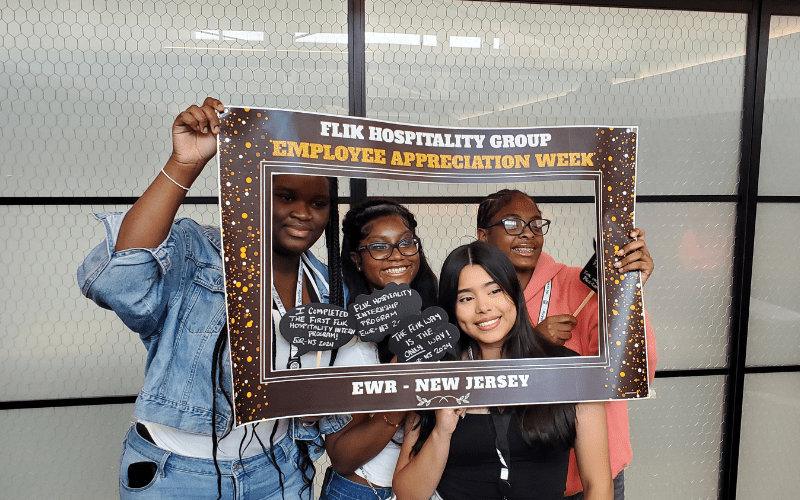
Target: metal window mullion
752 121
356 69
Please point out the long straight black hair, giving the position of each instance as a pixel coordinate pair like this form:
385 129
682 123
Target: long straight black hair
336 296
356 226
552 424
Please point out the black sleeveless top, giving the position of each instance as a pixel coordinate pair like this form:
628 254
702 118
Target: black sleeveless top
473 465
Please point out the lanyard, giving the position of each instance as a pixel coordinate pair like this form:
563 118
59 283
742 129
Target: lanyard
545 301
298 296
294 359
501 422
305 268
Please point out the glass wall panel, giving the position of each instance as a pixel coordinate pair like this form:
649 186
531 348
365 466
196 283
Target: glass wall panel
677 75
676 440
89 89
770 447
773 336
780 148
56 343
688 296
63 452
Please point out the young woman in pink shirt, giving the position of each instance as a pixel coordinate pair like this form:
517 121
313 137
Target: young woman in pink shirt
511 221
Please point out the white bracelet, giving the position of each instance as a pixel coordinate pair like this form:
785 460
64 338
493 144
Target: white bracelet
173 180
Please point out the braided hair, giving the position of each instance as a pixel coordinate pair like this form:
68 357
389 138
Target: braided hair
357 226
336 290
495 202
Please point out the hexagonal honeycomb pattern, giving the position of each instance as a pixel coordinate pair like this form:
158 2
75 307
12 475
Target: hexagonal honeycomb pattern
55 342
770 447
772 337
677 75
89 91
779 174
83 446
676 440
688 296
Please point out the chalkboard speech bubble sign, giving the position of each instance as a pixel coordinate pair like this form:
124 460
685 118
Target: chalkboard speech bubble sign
376 315
588 277
316 327
424 337
589 273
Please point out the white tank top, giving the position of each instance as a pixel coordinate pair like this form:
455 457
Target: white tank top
380 470
189 444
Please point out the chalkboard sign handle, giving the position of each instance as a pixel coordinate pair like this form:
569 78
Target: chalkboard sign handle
583 304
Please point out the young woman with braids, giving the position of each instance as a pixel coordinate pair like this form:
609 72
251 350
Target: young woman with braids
454 454
163 278
511 221
379 246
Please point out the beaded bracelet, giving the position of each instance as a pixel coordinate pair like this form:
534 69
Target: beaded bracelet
173 180
388 422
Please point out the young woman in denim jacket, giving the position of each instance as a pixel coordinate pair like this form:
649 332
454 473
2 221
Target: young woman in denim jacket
164 280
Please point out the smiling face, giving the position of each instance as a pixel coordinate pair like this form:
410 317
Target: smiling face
484 311
397 268
522 250
300 208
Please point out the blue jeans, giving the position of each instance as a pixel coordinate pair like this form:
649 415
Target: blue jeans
339 488
161 474
619 488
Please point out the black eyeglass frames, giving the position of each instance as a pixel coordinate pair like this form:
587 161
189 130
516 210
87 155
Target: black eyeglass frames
381 250
516 226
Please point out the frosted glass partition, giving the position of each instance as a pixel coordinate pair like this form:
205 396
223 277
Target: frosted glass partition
676 439
55 342
677 75
63 452
770 446
772 337
780 148
89 90
688 296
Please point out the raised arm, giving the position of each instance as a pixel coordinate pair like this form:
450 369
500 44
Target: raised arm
416 478
591 451
194 142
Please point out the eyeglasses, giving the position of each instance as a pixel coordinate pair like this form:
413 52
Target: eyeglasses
516 226
382 251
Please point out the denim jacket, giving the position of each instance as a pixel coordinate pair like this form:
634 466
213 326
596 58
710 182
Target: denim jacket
173 296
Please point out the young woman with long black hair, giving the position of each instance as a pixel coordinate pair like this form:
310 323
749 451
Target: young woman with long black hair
379 246
164 279
455 458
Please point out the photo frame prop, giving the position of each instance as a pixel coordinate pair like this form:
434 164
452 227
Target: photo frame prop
257 144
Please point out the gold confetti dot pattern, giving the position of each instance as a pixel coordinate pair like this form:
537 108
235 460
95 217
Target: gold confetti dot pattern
244 143
623 297
241 199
